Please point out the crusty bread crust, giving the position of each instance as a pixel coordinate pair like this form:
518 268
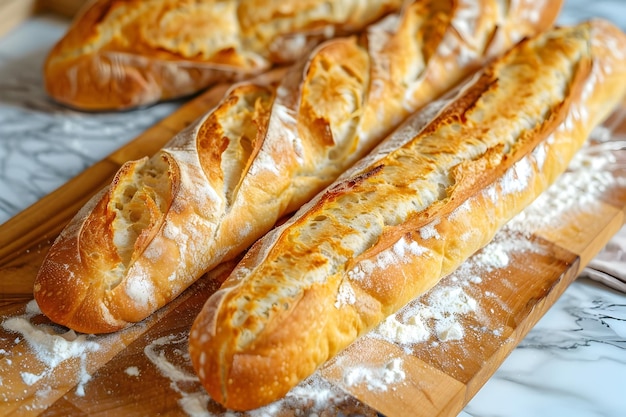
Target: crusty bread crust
265 150
430 196
124 54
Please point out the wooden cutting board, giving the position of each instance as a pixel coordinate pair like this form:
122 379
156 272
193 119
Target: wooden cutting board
144 370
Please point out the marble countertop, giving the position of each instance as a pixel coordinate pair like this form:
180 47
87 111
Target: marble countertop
573 362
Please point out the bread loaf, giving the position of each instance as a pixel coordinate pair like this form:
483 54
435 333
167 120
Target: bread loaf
264 151
411 212
124 54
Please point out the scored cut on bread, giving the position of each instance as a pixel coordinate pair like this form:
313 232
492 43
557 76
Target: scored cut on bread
262 152
124 54
412 211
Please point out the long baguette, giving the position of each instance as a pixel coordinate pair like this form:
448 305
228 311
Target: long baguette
431 195
260 154
124 54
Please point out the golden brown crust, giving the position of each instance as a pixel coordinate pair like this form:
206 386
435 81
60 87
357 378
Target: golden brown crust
124 54
406 215
265 150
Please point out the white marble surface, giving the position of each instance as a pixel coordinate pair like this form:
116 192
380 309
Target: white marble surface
573 363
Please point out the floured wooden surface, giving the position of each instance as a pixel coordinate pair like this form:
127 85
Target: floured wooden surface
430 359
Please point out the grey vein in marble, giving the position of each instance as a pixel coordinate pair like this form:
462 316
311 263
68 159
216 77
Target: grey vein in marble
568 364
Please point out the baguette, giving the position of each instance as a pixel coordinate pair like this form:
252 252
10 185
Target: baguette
260 154
123 54
411 212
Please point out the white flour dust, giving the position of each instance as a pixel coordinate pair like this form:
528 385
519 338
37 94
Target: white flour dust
376 378
194 402
132 371
169 354
51 346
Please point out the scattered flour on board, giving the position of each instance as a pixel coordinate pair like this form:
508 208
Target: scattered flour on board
169 354
376 378
50 347
194 403
132 371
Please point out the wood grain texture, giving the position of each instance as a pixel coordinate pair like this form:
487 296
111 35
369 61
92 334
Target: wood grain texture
440 378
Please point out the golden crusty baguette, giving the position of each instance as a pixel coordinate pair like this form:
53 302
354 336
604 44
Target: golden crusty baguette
261 153
123 54
411 212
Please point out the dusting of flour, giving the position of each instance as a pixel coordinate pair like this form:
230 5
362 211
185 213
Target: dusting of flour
376 378
169 354
132 371
51 347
